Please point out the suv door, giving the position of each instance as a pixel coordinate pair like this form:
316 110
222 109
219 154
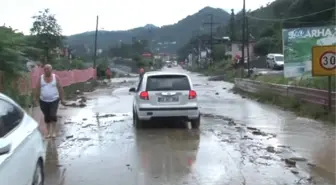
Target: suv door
16 166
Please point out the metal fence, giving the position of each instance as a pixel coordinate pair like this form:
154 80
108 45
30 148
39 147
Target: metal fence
309 95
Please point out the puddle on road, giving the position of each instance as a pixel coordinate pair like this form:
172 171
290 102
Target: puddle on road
110 150
167 156
307 138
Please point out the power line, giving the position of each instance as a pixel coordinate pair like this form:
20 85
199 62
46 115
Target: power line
290 18
322 22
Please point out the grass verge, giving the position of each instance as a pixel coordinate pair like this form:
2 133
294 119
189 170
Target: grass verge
291 104
314 82
222 69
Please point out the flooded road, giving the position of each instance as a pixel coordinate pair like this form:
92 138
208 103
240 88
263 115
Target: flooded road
239 142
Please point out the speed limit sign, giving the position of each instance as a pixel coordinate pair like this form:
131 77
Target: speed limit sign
328 60
324 60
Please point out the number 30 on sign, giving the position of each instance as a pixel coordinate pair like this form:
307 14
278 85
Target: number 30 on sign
324 60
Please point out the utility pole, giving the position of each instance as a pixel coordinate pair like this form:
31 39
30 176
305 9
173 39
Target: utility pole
243 40
211 23
95 44
248 46
199 51
150 32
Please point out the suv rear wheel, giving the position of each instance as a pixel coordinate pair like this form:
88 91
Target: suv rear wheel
195 123
137 123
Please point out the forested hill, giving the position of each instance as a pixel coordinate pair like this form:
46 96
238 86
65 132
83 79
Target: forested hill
266 23
179 32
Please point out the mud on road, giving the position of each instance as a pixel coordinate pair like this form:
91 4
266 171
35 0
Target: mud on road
97 144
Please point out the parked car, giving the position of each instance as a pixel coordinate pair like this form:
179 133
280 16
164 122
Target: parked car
165 95
275 61
22 150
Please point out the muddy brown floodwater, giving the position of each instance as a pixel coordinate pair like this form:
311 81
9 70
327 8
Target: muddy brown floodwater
240 142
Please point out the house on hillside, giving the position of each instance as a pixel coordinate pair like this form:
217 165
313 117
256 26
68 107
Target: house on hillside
235 48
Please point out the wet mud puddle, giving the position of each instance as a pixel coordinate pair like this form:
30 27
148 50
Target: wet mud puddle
105 146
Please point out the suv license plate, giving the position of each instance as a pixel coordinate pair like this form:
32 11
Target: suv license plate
168 99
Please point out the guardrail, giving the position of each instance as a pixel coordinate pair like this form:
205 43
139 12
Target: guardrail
309 95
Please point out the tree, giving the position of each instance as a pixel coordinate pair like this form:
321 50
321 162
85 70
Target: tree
219 52
12 47
265 45
14 51
77 64
139 61
47 31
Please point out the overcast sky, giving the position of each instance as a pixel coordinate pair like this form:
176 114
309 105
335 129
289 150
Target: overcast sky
76 16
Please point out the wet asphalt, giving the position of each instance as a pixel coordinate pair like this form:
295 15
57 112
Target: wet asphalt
240 142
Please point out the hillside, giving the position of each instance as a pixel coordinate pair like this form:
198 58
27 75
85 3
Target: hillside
164 37
266 23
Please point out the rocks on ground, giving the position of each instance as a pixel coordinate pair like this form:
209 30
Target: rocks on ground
79 102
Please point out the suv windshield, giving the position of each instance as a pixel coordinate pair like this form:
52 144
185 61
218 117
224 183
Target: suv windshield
168 82
279 58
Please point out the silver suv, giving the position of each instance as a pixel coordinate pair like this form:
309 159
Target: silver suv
165 95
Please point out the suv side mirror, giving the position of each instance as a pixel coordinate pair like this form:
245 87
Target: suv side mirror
5 146
132 89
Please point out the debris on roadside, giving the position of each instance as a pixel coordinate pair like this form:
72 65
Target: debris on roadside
84 139
294 171
311 164
69 136
231 122
246 138
259 133
81 99
251 128
270 149
79 102
87 125
290 162
216 116
283 146
266 157
298 159
105 115
68 122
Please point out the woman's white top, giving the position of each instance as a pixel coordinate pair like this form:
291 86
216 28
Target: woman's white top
49 91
